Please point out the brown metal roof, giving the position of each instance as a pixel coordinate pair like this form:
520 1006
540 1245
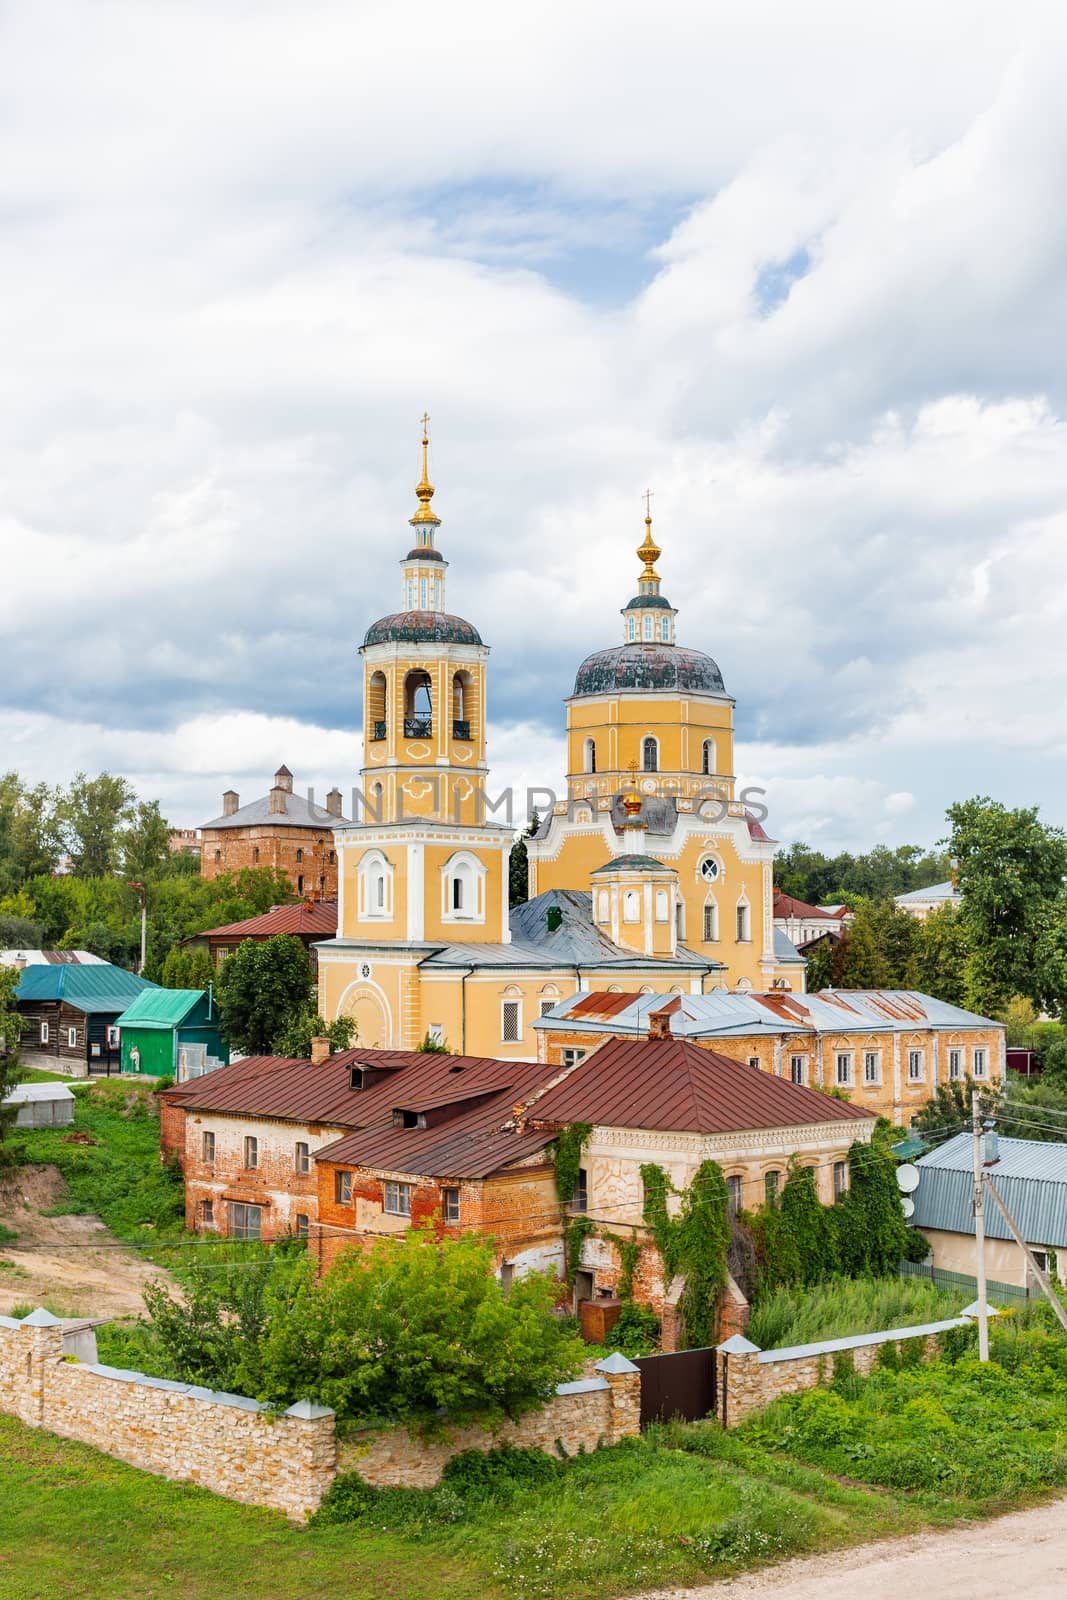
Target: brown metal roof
601 1004
787 905
472 1146
672 1085
316 919
295 1091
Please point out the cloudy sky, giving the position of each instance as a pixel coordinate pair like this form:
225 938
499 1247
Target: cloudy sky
803 271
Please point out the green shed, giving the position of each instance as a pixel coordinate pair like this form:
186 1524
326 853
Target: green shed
172 1033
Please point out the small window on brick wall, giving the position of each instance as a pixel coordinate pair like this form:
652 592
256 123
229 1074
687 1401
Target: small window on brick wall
207 1148
303 1160
251 1152
301 1226
342 1188
450 1205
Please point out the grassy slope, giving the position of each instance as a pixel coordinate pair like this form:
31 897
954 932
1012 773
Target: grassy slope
75 1522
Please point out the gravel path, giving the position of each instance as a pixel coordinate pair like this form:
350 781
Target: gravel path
1023 1553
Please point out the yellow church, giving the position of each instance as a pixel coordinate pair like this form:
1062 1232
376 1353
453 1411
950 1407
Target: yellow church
652 875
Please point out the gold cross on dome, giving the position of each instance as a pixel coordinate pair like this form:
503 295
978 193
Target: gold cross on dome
648 505
425 427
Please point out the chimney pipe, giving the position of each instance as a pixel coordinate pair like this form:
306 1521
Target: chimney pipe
321 1051
231 801
277 800
659 1025
333 802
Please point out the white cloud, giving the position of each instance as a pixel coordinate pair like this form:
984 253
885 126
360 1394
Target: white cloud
241 248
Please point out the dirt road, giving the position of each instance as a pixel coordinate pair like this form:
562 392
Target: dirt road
1024 1553
64 1260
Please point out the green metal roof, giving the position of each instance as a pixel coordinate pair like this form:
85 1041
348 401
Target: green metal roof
92 989
632 864
161 1008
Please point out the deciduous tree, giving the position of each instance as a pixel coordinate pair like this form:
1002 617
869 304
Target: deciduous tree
263 989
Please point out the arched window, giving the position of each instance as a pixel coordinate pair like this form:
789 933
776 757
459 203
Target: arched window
418 706
744 922
631 906
631 629
734 1190
707 760
255 854
218 855
463 888
665 630
375 894
376 701
590 755
462 705
300 855
648 628
711 920
603 901
650 754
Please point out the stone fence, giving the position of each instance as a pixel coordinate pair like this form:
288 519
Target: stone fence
750 1378
238 1448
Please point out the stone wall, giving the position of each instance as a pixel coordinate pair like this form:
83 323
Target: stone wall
232 1446
225 1443
606 1408
749 1378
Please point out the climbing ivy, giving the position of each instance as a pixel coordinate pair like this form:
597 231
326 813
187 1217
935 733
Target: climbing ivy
694 1242
567 1153
629 1255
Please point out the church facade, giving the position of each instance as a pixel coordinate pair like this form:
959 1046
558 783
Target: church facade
652 875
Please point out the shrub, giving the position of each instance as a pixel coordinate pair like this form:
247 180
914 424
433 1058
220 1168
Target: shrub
484 1472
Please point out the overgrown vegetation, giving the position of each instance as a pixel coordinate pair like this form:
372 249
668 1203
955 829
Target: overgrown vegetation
264 995
567 1157
843 1306
112 1166
694 1243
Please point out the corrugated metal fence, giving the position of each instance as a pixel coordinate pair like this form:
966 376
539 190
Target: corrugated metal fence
1006 1293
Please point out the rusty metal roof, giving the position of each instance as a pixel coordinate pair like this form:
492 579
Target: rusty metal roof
422 627
786 905
670 1084
473 1145
316 920
597 1004
295 1091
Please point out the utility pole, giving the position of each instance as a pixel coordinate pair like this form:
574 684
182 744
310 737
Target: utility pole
979 1229
1042 1277
144 922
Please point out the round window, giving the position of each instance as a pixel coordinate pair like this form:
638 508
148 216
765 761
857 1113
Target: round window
709 869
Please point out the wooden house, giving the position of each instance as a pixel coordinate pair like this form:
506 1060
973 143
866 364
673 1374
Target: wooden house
172 1033
70 1014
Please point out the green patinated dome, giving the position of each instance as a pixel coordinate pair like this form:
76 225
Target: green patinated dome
422 627
642 665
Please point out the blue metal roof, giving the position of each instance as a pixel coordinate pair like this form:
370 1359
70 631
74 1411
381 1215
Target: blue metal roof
1030 1177
97 988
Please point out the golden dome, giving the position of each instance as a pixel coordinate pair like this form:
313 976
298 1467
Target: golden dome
424 488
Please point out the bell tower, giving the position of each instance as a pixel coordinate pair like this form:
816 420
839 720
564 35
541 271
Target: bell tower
424 692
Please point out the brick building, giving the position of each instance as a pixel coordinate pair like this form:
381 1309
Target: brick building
281 830
886 1049
308 921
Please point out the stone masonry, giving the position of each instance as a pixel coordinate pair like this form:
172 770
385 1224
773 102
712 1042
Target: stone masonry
234 1447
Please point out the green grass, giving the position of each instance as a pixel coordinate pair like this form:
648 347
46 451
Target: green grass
119 1178
36 1075
845 1306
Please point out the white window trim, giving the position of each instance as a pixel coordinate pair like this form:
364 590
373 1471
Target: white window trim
662 905
876 1057
516 1001
44 1033
397 1210
979 1061
955 1068
916 1077
474 875
631 899
373 868
743 918
801 1061
72 1038
848 1059
645 737
712 905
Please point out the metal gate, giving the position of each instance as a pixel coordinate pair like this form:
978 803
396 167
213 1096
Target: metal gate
680 1385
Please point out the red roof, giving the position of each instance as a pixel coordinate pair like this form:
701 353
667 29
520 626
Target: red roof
310 919
786 906
474 1143
673 1085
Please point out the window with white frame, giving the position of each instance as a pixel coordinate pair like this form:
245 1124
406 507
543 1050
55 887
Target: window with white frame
711 920
398 1199
648 627
375 892
207 1148
843 1067
798 1069
631 629
547 1005
302 1160
665 630
511 1021
342 1188
207 1213
872 1066
744 923
915 1066
436 1033
979 1061
631 906
840 1178
72 1038
301 1225
603 903
570 1056
955 1063
650 754
590 755
754 1061
44 1033
707 759
710 869
463 879
450 1206
251 1151
663 906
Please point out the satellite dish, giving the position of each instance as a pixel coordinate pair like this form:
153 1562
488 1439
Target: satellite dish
907 1178
907 1205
